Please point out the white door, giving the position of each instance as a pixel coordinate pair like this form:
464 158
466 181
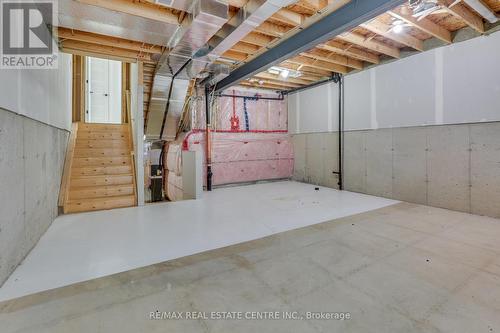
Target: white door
104 100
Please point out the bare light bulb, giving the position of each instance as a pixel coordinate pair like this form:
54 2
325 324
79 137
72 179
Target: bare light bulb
398 28
284 74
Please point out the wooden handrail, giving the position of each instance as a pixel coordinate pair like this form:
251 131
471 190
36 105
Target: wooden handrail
131 144
68 162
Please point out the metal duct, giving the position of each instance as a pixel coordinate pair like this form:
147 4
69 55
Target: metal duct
184 5
205 19
193 61
80 16
157 105
243 22
483 10
248 18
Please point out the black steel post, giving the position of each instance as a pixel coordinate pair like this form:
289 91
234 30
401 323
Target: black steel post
208 138
339 79
341 131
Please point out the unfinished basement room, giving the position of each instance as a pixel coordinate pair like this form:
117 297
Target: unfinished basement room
250 166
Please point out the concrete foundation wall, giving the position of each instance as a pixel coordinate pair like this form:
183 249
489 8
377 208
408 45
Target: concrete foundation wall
31 163
316 158
449 166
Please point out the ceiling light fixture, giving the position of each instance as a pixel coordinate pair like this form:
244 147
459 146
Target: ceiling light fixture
284 73
398 27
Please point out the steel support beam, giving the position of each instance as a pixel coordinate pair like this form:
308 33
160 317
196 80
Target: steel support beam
343 19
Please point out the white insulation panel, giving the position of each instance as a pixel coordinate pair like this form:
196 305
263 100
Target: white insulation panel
459 83
40 94
314 110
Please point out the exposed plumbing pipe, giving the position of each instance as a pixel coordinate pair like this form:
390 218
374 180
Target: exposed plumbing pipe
339 79
280 98
483 10
208 138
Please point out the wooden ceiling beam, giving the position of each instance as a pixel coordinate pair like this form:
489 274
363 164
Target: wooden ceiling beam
315 4
301 60
424 25
230 54
136 8
309 71
277 81
333 58
237 3
264 85
370 44
383 29
459 10
257 39
287 16
349 51
73 45
271 29
82 36
266 75
243 47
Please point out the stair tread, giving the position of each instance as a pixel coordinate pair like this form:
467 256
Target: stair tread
103 176
99 199
101 187
102 171
100 191
80 162
100 203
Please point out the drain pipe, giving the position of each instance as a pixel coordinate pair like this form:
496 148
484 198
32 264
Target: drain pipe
208 138
339 79
280 97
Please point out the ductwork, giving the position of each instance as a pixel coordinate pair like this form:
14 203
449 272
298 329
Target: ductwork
191 58
184 5
247 19
205 19
483 10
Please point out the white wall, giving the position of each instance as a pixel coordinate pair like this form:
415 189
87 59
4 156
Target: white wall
459 83
314 110
41 94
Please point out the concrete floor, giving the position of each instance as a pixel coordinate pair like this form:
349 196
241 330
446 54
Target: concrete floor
402 268
81 247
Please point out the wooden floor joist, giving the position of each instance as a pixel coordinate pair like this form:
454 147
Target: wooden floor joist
97 39
351 50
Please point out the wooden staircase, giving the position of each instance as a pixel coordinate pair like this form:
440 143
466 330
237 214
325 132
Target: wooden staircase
99 171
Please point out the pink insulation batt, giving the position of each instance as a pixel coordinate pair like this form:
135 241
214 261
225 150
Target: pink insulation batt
262 152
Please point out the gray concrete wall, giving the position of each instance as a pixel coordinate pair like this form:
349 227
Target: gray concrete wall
316 158
450 166
31 163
